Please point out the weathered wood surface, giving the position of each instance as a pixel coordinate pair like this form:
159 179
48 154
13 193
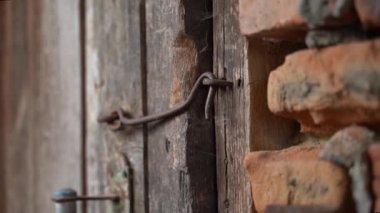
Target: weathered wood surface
41 85
181 151
267 131
232 115
4 63
243 121
113 80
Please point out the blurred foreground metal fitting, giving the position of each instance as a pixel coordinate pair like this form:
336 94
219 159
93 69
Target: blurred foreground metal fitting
68 207
65 200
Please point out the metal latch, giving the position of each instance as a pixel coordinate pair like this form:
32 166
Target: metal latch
117 119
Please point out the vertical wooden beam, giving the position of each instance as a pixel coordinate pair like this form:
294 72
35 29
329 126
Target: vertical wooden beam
243 120
232 115
181 151
113 80
41 103
4 65
268 131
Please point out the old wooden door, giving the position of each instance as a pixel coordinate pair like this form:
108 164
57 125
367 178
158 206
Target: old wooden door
66 62
144 57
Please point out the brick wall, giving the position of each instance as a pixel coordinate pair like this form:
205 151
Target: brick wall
332 89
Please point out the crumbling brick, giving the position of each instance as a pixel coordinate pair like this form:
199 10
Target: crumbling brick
295 176
328 13
324 38
369 13
300 209
374 154
271 18
326 89
290 19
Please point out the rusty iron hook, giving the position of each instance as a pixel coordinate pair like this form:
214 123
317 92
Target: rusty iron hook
117 119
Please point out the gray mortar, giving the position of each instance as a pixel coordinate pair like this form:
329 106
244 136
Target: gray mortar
299 90
363 82
347 148
374 15
323 38
317 12
376 8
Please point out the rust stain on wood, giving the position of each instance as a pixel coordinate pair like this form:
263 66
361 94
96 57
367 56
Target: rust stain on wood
185 58
175 36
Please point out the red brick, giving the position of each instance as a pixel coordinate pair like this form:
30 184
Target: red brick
374 154
282 19
369 13
299 209
376 187
326 89
376 168
377 205
271 18
295 176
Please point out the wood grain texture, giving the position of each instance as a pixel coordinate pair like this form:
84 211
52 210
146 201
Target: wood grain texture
243 121
113 80
232 115
268 131
181 151
5 9
41 103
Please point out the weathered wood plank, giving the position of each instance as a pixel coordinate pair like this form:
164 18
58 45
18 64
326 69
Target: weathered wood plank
4 65
181 152
42 113
268 131
243 120
113 80
232 115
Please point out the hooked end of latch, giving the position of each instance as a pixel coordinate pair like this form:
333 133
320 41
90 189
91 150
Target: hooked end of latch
213 83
